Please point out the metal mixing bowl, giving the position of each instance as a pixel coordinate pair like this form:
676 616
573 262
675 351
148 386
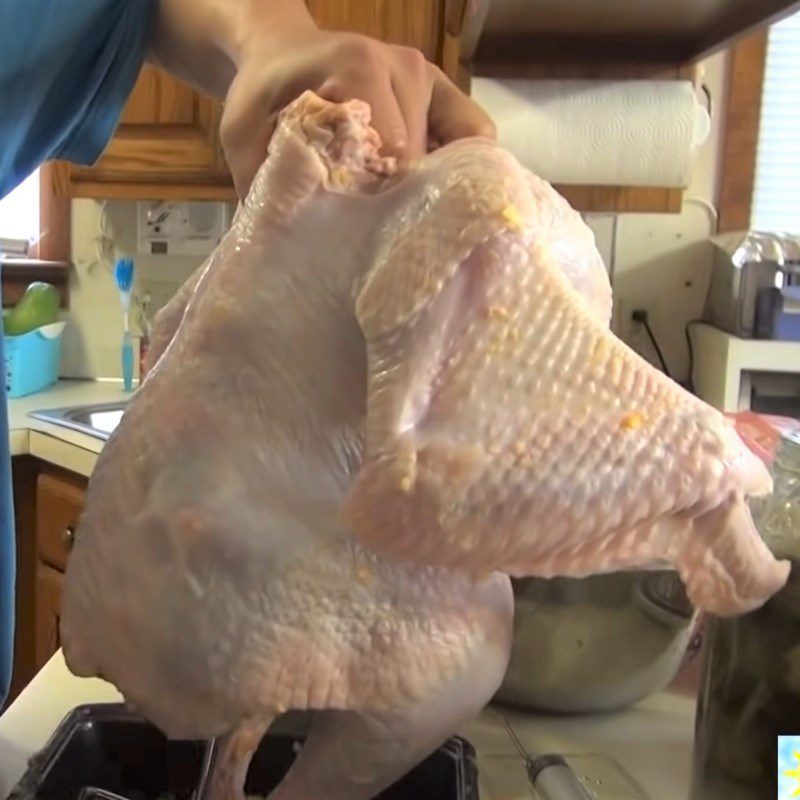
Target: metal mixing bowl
595 644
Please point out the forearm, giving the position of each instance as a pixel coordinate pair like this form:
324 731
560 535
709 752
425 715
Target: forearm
260 55
202 41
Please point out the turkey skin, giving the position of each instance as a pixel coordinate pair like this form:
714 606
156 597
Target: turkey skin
386 391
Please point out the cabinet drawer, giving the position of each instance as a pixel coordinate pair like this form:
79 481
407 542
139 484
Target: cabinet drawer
59 505
49 587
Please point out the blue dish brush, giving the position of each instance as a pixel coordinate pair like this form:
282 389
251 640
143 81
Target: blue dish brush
123 274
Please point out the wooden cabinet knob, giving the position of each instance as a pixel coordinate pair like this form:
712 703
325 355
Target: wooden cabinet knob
68 536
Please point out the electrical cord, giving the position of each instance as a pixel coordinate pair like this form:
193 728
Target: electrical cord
640 316
653 341
710 209
690 345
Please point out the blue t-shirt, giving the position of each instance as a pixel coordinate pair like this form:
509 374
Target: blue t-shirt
66 70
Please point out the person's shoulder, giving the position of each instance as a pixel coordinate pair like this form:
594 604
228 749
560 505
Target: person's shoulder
118 34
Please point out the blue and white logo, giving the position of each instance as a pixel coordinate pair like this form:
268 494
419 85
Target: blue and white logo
788 767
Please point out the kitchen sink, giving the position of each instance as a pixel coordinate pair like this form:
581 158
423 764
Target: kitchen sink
99 420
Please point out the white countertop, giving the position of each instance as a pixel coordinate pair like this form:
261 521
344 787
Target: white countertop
723 364
651 742
61 446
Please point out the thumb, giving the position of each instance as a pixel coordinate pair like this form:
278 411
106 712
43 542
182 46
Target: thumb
453 115
245 133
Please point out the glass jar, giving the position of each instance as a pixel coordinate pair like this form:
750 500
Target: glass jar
750 690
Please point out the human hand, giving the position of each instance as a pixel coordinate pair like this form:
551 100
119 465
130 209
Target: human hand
415 107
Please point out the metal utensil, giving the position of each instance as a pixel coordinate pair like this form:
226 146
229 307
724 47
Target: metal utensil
549 775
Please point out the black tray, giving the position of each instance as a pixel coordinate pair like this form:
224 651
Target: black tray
106 752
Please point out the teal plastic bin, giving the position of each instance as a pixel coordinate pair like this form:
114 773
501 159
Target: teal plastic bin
33 359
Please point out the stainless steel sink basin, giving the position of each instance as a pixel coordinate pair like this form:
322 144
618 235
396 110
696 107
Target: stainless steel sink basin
99 420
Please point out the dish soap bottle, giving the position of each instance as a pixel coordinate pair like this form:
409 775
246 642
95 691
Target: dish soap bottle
750 689
145 330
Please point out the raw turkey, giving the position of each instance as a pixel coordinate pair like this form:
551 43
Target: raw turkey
387 390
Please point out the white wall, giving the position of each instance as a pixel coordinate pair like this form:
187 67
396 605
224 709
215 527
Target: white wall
92 338
662 264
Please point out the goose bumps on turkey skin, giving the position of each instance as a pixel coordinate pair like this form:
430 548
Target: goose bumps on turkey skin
384 393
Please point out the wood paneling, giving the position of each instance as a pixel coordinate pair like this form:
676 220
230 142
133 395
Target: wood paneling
127 188
644 199
415 24
740 133
166 146
158 99
48 500
49 587
51 253
59 504
54 242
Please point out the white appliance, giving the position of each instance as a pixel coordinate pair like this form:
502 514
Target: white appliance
734 373
181 228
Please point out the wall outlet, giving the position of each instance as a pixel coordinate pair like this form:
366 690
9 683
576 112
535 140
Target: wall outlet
161 292
623 324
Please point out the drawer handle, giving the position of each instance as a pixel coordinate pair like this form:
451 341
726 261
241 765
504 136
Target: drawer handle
68 536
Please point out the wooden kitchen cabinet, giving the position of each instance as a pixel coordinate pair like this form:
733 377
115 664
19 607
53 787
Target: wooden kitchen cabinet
167 143
49 584
60 499
414 24
166 147
48 502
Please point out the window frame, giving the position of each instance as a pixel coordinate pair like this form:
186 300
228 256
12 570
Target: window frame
50 255
745 78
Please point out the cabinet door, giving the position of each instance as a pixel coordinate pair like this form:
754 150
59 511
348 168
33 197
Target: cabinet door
60 497
59 505
415 23
166 146
49 585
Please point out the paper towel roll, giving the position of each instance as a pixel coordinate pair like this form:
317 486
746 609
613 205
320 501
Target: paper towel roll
628 133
